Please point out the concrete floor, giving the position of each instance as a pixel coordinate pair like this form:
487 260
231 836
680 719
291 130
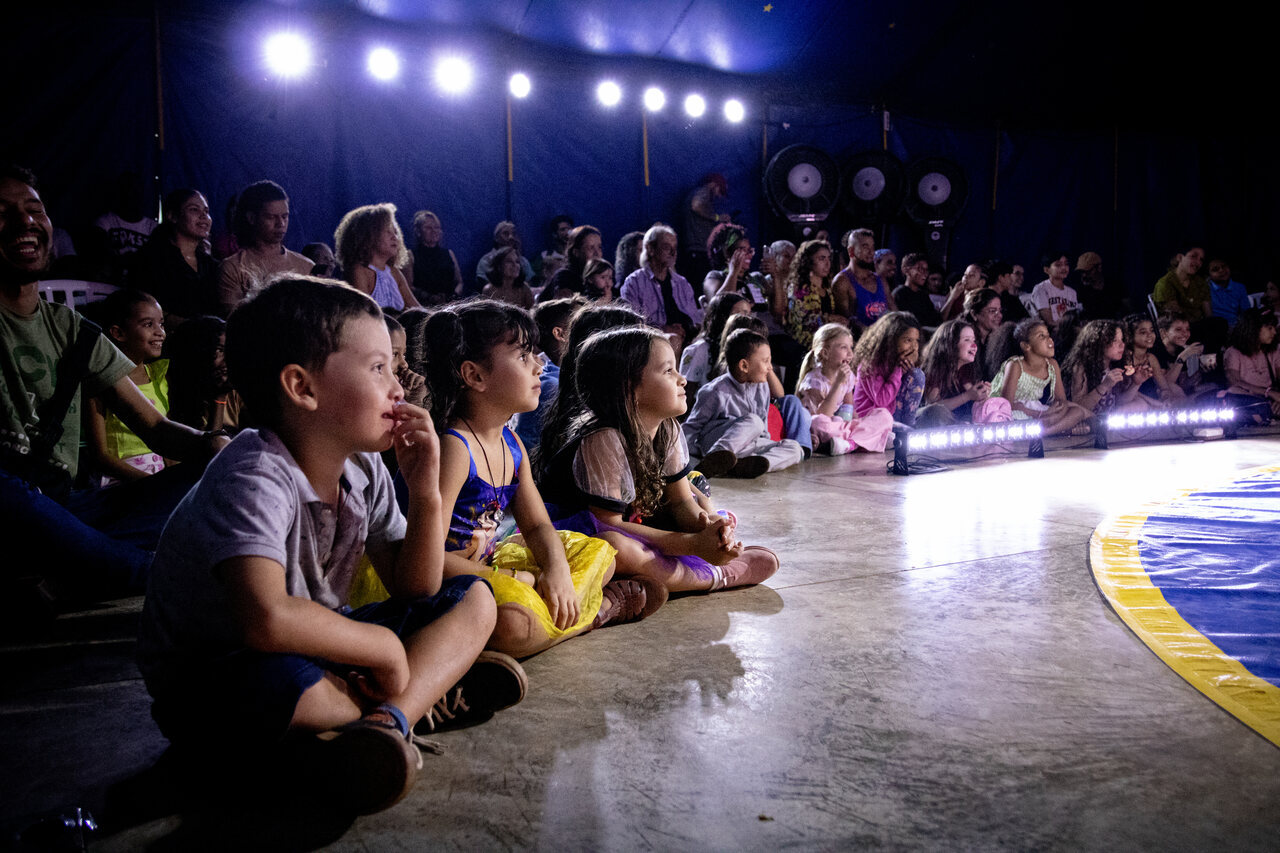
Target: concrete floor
932 668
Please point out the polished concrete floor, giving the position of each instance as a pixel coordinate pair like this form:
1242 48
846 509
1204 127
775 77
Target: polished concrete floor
932 668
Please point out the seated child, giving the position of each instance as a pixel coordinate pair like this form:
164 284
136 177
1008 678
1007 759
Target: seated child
1252 363
414 385
621 469
953 389
1098 377
199 393
825 387
728 425
135 323
549 585
884 365
1032 382
796 422
245 638
552 319
1142 336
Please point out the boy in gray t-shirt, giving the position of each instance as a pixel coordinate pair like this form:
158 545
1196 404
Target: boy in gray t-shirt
245 635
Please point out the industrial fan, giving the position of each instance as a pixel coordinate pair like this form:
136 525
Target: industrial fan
936 194
877 183
802 183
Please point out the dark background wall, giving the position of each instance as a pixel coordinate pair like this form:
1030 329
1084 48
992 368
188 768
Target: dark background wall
1133 192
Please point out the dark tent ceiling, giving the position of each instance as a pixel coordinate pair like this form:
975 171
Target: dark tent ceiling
1066 65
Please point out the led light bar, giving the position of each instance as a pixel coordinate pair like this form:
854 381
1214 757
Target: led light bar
959 437
1223 418
947 438
1180 417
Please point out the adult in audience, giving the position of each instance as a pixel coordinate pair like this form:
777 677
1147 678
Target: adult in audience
913 294
662 296
98 543
1053 297
887 267
1100 301
810 301
1183 289
626 257
432 270
860 293
973 278
326 262
554 254
505 234
117 235
507 282
261 223
1227 297
701 217
982 311
1000 279
584 245
175 266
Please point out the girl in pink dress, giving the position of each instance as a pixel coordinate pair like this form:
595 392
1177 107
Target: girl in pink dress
825 387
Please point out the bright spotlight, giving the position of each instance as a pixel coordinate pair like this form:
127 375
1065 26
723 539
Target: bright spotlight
287 54
695 105
453 75
384 64
520 86
734 111
654 99
609 93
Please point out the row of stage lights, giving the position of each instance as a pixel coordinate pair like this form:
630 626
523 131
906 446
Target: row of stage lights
288 55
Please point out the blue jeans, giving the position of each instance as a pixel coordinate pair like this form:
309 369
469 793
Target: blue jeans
796 421
100 543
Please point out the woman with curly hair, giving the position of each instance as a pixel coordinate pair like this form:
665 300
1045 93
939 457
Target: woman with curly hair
1098 375
810 299
885 371
371 249
507 282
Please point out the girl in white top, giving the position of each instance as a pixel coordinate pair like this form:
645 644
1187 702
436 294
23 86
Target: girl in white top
371 249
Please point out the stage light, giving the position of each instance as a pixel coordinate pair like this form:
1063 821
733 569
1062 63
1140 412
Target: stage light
951 438
287 54
453 75
695 105
519 85
609 93
734 111
654 99
383 63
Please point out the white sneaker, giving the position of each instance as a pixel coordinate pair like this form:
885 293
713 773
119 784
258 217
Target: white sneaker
839 446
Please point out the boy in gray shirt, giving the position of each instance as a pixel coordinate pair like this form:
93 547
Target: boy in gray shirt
245 635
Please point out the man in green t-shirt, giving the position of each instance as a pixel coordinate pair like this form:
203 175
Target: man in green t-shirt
96 543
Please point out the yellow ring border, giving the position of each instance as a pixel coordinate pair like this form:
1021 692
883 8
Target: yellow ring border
1124 583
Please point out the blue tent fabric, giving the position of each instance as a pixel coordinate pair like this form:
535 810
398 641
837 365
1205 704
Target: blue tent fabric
1215 556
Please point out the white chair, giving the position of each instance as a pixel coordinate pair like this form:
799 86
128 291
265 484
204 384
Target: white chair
1255 299
71 292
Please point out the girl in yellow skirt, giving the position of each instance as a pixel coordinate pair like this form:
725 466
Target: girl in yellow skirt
550 585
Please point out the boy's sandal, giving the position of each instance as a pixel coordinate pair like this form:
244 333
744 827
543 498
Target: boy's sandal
363 767
494 682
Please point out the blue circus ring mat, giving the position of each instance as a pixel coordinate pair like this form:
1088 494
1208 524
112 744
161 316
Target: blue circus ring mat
1197 578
